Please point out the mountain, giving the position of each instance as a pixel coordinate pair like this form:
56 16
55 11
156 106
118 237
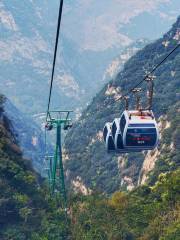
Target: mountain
87 162
28 211
93 34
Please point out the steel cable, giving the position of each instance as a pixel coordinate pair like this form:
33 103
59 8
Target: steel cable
55 53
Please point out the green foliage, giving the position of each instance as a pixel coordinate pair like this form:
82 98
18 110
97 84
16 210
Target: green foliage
147 213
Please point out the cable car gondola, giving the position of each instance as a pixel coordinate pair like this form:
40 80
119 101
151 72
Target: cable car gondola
117 136
107 135
139 130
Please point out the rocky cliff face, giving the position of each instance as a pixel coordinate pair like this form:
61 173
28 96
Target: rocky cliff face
88 159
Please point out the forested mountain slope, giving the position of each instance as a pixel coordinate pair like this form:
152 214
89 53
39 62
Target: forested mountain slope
26 211
87 160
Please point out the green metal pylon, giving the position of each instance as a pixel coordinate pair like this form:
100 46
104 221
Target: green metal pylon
56 169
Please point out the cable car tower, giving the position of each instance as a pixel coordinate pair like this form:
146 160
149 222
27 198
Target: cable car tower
58 120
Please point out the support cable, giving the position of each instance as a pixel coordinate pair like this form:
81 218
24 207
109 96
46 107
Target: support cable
55 53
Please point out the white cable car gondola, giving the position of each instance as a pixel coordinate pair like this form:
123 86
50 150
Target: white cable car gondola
139 130
117 136
107 134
